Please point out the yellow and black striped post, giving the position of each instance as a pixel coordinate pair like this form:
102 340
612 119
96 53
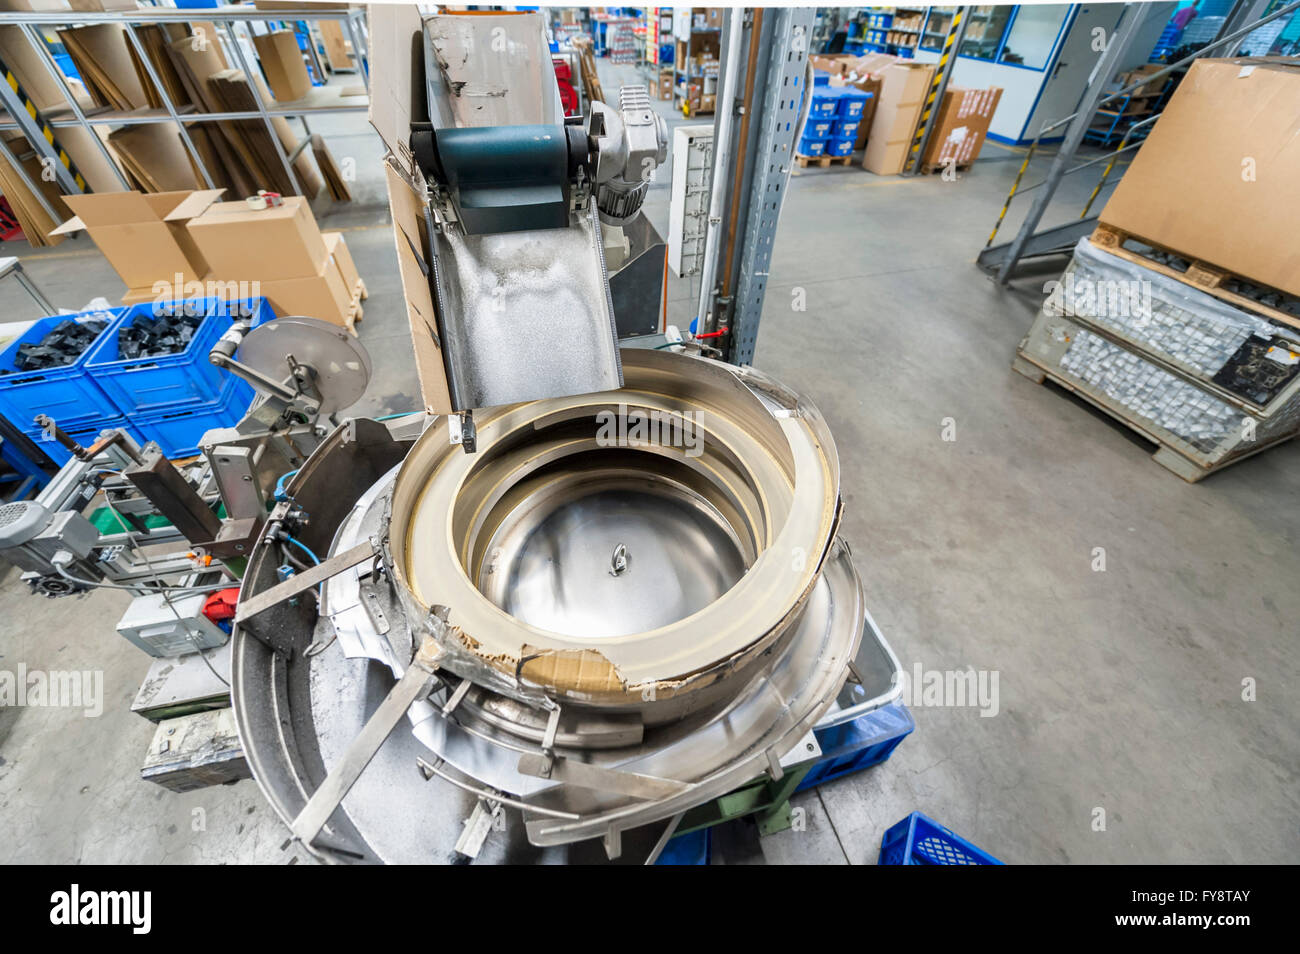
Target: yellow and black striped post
34 126
1029 154
934 98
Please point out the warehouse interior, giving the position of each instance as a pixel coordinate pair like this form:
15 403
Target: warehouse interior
1115 591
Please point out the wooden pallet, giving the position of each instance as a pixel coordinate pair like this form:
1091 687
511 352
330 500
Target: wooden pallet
941 166
1166 454
356 312
1203 276
823 161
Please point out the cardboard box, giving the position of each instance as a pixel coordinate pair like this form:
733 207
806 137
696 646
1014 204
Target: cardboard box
708 102
324 295
283 64
1218 178
1150 88
963 123
102 6
903 88
714 16
665 86
342 258
144 237
240 242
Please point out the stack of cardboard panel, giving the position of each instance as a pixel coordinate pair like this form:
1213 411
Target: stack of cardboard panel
1182 313
186 244
193 71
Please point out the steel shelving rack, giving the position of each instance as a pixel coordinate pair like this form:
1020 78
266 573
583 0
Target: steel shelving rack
40 129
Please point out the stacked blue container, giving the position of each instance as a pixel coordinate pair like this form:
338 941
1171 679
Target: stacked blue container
173 399
66 394
821 116
849 107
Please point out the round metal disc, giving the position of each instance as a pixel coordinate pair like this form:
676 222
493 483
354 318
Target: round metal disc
341 364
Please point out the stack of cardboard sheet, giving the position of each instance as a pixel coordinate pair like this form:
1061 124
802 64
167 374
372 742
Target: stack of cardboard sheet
35 221
108 65
247 158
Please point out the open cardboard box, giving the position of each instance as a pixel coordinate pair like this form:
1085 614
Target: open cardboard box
144 237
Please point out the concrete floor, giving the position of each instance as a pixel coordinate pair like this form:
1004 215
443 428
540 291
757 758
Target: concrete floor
1119 690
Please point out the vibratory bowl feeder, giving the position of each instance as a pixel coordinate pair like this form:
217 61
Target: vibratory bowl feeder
623 605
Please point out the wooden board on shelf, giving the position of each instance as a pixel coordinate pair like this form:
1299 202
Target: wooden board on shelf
32 217
155 156
338 186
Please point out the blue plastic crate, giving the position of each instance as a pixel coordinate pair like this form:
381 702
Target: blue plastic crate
811 147
170 382
66 394
918 840
845 129
178 432
839 147
84 434
858 744
821 78
825 102
691 848
818 128
851 103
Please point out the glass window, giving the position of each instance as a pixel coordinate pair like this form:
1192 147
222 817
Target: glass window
936 28
1033 34
984 32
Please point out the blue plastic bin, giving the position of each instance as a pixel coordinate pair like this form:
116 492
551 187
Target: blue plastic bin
178 432
821 78
851 103
66 394
826 100
858 744
818 128
689 849
844 129
170 382
839 147
84 434
811 147
918 840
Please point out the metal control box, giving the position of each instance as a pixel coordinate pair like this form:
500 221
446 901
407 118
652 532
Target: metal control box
162 630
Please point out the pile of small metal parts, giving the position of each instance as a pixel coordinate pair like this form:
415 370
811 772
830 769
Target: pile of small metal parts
63 345
147 337
1151 392
1199 335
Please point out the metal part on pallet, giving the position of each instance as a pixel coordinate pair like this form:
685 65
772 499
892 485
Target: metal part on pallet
618 623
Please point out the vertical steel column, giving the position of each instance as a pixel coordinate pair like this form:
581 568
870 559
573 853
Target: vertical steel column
934 101
167 103
779 93
1132 19
359 53
1242 13
34 130
56 74
253 87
